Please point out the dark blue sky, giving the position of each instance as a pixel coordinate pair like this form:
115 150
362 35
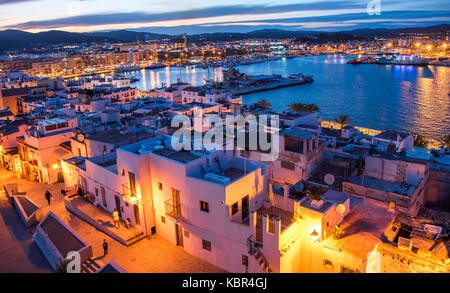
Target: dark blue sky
196 16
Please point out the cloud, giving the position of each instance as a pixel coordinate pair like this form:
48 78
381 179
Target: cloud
14 1
217 11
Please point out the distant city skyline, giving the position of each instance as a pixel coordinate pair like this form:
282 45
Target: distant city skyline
194 16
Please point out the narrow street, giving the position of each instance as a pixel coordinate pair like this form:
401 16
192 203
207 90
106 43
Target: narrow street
19 254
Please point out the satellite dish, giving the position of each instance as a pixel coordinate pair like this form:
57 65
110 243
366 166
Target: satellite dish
340 209
329 179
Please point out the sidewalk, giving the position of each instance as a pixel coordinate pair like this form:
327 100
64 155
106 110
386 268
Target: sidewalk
152 255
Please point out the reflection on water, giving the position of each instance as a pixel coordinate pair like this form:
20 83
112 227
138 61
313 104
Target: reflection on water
404 98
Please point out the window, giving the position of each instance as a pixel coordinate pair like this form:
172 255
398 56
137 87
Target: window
122 172
163 220
79 152
206 245
244 260
186 234
160 186
50 127
346 270
327 263
204 206
63 124
287 165
271 225
234 208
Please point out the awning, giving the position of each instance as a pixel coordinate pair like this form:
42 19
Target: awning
60 154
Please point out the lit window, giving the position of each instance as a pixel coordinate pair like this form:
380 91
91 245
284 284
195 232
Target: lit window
204 206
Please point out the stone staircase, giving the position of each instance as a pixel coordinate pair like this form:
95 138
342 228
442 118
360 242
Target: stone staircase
262 261
90 266
257 254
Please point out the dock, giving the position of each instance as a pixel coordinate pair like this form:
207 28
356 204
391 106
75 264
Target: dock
276 84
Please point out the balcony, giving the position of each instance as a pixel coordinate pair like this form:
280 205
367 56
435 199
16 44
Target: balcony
173 210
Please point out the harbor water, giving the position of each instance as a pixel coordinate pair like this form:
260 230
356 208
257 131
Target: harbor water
403 98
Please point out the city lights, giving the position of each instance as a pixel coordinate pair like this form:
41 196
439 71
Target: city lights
236 138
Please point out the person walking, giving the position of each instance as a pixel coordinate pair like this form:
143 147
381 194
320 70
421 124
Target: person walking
48 196
116 219
105 247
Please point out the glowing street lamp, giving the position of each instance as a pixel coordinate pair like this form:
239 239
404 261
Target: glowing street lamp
55 166
314 235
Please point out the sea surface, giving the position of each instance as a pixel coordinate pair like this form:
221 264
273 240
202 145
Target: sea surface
385 97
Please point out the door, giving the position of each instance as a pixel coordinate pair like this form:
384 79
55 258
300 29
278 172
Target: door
136 215
117 199
102 191
245 208
179 232
176 202
132 179
83 185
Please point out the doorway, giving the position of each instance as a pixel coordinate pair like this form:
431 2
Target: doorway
179 235
136 215
176 202
117 200
102 191
245 208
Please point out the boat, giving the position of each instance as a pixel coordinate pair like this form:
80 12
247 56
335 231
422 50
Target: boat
155 65
127 67
398 59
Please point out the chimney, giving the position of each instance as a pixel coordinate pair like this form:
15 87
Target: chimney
317 204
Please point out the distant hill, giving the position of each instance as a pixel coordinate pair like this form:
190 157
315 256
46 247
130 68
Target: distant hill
127 35
16 39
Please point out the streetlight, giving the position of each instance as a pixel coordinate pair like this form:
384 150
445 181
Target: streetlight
314 235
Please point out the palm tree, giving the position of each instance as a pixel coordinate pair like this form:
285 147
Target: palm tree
303 107
263 104
420 141
446 141
343 120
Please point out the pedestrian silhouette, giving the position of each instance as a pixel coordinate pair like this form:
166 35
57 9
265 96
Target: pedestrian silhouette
105 247
48 196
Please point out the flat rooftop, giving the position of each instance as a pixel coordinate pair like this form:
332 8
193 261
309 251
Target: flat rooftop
402 188
180 156
364 227
274 212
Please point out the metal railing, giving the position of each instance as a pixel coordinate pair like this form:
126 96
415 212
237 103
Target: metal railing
173 210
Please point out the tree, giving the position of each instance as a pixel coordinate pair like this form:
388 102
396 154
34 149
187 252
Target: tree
303 107
446 141
420 141
263 104
343 120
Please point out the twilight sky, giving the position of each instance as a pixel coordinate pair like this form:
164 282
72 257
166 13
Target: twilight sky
196 16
